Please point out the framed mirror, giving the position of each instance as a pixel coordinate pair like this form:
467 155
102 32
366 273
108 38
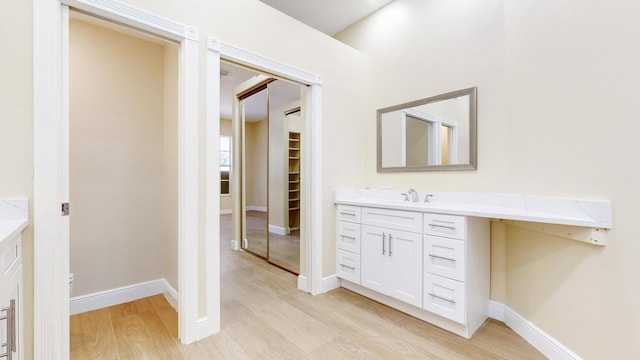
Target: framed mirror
436 133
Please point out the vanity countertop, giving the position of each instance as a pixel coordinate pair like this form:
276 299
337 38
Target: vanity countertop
14 216
519 207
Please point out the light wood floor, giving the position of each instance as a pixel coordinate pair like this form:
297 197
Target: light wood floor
264 316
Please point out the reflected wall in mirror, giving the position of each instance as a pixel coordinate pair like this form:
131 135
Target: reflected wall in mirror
436 133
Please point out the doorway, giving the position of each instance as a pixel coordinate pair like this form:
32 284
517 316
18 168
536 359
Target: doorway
267 130
51 167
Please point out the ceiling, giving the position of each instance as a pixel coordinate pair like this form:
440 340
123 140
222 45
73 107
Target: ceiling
281 92
328 16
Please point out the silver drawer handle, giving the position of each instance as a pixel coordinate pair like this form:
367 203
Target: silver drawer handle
347 213
348 237
442 298
348 267
443 226
442 257
390 251
383 249
10 345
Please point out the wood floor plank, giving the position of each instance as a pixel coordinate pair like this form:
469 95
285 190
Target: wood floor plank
342 348
379 337
439 342
219 346
303 330
141 334
259 340
92 336
496 337
167 314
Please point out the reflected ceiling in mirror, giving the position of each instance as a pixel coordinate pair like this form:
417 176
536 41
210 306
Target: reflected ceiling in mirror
436 133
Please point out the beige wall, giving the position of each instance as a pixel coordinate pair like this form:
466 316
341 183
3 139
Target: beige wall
556 114
16 134
277 171
256 151
116 159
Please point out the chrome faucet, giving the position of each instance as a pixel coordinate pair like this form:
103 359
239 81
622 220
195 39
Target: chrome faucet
427 198
414 195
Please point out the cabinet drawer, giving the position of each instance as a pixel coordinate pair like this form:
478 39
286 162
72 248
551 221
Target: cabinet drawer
451 226
348 213
10 254
348 266
445 297
445 257
348 236
393 219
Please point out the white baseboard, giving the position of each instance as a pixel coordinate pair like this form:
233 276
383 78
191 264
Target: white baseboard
303 283
277 230
543 342
170 294
256 208
226 211
203 328
102 299
329 283
496 310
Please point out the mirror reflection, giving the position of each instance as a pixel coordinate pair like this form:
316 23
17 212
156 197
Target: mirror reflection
272 128
436 133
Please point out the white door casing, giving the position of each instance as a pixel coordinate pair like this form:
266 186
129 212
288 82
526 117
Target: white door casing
311 281
51 230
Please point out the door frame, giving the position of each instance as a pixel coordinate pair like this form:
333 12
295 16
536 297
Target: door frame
311 279
50 122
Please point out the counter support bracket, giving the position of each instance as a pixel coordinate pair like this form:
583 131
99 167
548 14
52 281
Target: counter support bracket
593 236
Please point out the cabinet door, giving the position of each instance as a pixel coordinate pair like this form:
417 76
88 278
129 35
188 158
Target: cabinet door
374 258
405 266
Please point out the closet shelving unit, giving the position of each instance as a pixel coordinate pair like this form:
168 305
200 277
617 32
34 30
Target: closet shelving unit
294 181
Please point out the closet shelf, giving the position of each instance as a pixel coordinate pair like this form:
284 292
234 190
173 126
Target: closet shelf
294 180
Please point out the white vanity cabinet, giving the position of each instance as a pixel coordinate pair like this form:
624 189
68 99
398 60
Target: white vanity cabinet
457 269
432 266
11 297
392 259
348 243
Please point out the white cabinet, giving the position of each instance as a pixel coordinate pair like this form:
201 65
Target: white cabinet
381 250
11 297
392 263
348 243
432 266
457 269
